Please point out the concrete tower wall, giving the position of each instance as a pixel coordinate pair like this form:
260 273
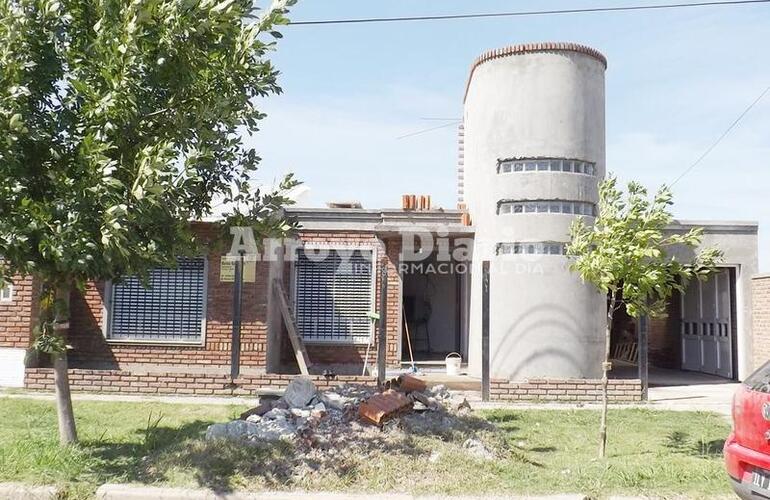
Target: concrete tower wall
543 101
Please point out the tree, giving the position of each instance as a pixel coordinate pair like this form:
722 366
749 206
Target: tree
120 122
625 255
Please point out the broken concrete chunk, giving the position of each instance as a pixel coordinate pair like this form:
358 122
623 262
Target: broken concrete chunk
259 410
335 400
277 414
235 430
273 430
254 418
300 392
478 449
299 412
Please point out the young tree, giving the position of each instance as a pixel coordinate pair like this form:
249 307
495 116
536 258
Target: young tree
120 122
625 255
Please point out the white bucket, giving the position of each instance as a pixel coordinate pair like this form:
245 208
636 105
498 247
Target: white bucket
453 361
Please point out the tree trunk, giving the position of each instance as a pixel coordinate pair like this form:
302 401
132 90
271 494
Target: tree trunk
54 320
67 431
606 367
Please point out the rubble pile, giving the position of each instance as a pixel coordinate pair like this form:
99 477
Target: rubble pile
327 425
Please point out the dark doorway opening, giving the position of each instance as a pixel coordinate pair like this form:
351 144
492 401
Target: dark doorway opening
432 310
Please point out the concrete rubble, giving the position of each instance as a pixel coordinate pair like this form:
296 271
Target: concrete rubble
328 425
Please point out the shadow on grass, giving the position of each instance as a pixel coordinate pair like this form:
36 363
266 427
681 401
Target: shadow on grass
681 442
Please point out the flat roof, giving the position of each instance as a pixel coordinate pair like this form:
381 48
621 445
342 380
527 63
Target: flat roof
386 220
716 226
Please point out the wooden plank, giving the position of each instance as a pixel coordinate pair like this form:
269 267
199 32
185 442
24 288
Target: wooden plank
303 360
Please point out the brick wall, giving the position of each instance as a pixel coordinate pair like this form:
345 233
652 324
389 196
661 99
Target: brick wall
92 350
190 384
760 319
664 336
565 390
18 315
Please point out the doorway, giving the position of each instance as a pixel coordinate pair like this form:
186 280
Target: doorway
433 314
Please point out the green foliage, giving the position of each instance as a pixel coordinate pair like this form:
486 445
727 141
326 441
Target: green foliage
627 249
120 122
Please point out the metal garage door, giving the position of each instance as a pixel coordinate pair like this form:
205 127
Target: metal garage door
707 327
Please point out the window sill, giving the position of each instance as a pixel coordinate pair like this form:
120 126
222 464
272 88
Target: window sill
157 343
335 342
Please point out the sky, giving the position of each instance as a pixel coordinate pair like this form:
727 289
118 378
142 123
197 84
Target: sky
676 79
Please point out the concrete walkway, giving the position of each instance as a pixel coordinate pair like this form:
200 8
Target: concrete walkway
701 397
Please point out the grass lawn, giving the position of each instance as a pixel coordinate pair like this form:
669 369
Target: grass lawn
542 451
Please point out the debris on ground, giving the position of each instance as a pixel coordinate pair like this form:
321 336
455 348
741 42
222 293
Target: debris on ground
349 419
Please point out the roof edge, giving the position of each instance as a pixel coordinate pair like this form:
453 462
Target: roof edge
529 48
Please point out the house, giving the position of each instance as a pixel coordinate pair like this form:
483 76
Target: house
532 152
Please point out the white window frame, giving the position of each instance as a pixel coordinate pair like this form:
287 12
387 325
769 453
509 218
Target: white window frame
528 165
372 307
107 312
6 293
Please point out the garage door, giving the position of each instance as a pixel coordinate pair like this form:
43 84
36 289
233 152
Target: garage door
706 326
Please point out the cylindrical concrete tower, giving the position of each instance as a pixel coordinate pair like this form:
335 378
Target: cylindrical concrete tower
534 154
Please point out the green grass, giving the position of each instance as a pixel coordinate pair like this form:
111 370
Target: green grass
541 451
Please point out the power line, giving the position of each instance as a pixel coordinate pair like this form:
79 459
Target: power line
523 13
457 122
724 134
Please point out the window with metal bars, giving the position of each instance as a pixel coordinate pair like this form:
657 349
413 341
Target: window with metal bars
171 309
334 295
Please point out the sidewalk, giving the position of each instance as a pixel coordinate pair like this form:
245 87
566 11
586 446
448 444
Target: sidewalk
706 397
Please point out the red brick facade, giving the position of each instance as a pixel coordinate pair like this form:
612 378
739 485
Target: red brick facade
182 383
92 350
565 390
664 336
18 315
761 320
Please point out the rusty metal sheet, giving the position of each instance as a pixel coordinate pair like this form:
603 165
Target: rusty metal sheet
381 407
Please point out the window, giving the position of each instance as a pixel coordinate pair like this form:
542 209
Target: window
547 206
172 308
532 248
334 295
546 165
6 292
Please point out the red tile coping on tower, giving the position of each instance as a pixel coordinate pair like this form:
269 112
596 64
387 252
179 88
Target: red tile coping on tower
528 48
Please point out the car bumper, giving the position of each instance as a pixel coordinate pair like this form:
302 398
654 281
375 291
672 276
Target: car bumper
740 462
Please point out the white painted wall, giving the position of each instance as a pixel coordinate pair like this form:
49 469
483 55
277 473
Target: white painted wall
12 367
544 321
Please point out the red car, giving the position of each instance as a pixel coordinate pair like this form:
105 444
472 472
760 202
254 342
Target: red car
747 450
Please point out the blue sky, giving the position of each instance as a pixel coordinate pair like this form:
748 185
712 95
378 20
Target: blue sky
676 79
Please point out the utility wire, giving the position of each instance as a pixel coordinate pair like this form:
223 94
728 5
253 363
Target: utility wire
457 122
724 134
524 13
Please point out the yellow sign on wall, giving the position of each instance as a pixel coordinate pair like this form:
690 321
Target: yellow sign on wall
227 270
